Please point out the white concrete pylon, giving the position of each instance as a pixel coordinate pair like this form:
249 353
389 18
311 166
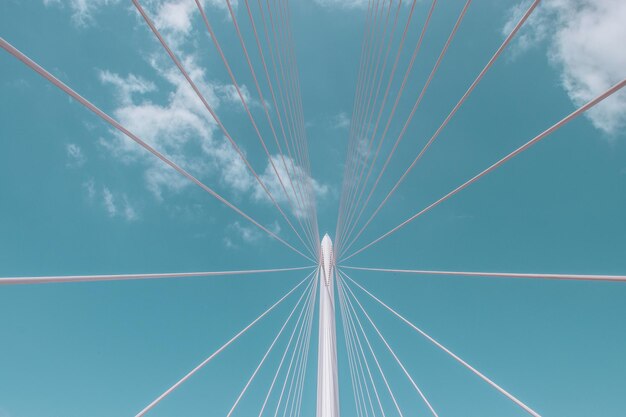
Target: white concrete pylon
327 385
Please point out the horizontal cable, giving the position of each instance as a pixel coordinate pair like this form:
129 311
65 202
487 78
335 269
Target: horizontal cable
58 83
575 277
450 353
500 162
125 277
218 351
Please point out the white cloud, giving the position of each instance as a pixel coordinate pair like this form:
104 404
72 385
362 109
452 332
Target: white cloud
75 156
181 128
109 202
175 17
115 204
126 87
90 188
343 4
234 173
184 131
341 121
248 234
299 178
82 11
585 42
118 205
129 213
228 93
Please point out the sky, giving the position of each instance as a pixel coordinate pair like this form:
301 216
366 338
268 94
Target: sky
78 198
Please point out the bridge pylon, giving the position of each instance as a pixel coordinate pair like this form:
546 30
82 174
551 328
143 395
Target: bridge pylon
327 381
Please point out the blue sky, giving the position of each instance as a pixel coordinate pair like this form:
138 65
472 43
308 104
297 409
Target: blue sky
77 198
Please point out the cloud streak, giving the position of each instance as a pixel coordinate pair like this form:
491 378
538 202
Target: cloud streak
585 43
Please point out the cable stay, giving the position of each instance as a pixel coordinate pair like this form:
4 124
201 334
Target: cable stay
286 101
442 54
247 109
300 324
395 357
573 277
590 104
400 90
291 166
215 117
296 355
364 123
218 351
342 299
449 352
309 288
351 333
296 191
462 100
361 124
125 277
350 143
69 91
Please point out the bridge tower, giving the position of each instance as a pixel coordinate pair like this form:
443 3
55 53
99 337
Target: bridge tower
327 384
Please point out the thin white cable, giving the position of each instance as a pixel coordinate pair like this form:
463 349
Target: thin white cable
360 360
293 355
302 316
269 350
371 349
364 356
450 353
69 91
218 351
350 356
217 120
296 375
124 277
573 277
417 388
298 406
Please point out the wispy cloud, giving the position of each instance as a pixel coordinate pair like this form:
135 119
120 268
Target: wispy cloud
585 43
90 188
175 17
238 233
118 205
82 11
115 204
75 156
184 131
178 124
341 121
248 234
125 88
289 173
109 202
343 4
181 128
